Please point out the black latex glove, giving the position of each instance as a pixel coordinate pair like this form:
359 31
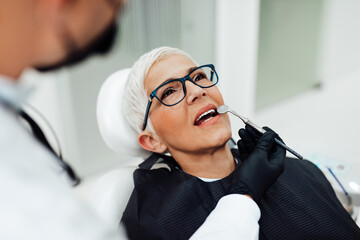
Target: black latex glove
249 138
263 162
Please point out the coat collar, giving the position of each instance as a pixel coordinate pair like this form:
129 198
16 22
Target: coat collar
13 94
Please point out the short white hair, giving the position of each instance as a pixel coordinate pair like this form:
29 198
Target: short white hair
135 96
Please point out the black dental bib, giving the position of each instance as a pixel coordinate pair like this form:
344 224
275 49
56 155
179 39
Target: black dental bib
168 203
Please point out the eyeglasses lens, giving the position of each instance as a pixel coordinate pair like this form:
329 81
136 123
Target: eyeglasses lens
173 92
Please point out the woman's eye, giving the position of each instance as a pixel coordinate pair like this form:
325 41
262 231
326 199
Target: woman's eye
167 92
199 77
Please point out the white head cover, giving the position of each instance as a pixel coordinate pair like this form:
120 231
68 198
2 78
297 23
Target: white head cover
114 128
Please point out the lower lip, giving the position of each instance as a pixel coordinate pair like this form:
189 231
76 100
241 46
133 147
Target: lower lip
210 122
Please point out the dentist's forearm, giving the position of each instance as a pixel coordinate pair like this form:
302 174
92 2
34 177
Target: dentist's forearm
236 216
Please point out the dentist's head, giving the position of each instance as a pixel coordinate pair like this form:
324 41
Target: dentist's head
47 34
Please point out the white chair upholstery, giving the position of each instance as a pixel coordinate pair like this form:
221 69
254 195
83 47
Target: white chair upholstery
110 193
115 130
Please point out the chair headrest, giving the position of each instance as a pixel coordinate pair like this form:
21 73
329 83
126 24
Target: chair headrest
114 128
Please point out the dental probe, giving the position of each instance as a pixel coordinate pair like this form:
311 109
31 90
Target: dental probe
224 109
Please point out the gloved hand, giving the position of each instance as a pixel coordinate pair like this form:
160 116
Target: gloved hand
263 162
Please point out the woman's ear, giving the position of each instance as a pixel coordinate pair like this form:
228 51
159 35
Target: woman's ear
150 142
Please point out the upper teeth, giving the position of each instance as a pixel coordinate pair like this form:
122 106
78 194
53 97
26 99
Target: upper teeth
205 113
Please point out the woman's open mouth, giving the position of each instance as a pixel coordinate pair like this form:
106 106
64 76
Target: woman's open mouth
206 116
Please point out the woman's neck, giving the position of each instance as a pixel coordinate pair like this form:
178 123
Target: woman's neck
217 163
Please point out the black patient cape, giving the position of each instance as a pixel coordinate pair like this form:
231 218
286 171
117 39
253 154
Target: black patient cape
168 203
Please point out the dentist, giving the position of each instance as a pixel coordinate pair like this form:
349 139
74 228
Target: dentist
44 34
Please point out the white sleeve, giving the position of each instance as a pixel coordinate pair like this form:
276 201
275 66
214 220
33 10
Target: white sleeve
235 217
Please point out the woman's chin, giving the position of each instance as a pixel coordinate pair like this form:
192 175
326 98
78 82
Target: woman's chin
220 138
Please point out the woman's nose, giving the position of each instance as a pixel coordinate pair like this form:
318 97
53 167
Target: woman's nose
193 92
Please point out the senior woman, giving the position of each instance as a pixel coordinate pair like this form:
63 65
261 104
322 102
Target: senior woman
171 102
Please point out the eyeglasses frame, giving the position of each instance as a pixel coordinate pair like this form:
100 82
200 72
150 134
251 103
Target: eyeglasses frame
182 80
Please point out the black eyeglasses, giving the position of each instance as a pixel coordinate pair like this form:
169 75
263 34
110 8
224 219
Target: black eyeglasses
173 91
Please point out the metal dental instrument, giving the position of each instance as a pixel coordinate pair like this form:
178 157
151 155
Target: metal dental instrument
224 109
349 207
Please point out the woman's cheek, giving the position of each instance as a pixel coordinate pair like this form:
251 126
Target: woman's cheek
218 96
166 122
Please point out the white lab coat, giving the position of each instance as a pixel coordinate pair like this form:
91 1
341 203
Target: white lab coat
36 204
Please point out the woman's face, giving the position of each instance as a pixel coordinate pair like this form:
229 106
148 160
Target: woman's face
177 126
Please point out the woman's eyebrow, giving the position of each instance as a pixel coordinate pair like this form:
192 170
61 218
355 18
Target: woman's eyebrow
172 78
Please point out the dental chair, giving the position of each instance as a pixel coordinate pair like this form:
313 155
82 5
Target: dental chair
111 192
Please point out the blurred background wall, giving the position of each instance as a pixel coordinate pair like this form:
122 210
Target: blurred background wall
293 65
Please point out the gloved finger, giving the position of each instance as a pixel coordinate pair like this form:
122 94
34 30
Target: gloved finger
277 157
277 135
244 153
266 142
239 132
269 129
254 133
248 140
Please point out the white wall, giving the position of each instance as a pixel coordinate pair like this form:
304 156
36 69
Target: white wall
340 46
236 53
323 124
289 33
